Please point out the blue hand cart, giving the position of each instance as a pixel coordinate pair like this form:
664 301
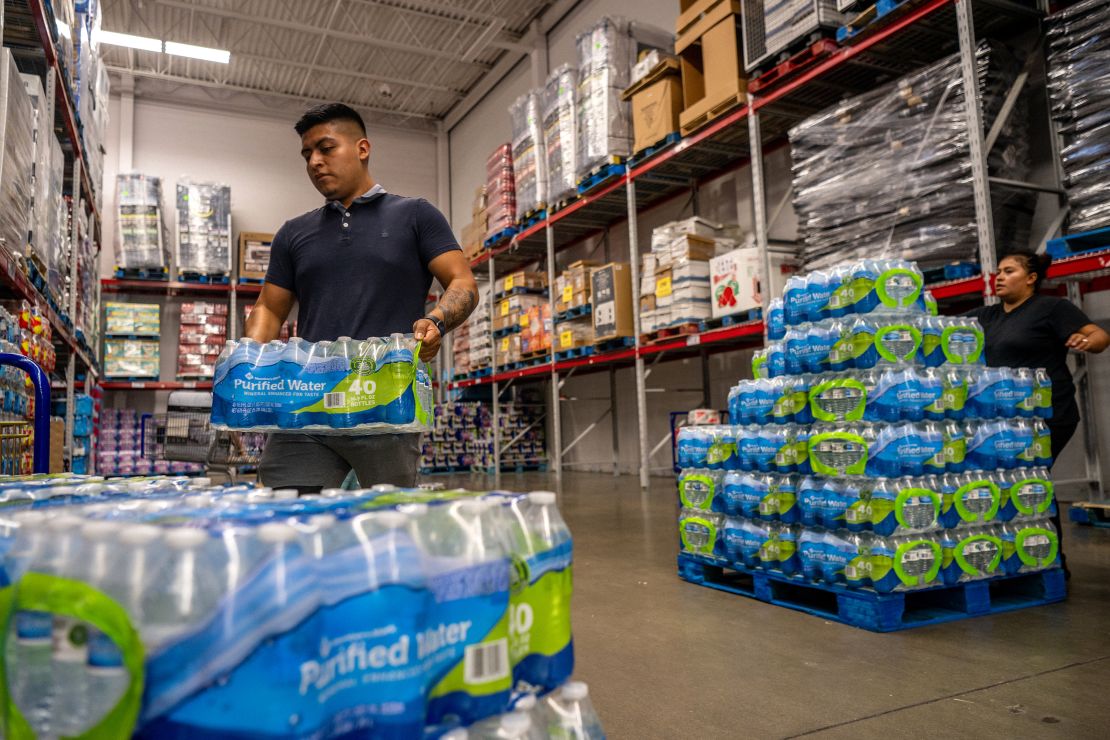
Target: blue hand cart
17 436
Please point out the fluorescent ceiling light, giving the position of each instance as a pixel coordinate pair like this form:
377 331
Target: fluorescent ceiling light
223 56
131 42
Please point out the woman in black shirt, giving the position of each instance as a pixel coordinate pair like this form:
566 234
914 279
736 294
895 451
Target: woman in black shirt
1027 329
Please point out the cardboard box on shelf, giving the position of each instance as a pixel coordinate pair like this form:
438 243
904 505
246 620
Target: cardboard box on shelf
656 104
57 443
611 291
734 279
132 318
689 247
574 334
524 279
254 254
709 49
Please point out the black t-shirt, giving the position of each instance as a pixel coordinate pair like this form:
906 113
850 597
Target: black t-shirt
360 271
1033 335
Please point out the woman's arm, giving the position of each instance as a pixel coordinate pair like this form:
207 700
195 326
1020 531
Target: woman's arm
1089 338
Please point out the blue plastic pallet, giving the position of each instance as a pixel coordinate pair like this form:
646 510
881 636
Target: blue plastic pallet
130 379
743 317
251 281
951 271
613 344
1081 243
203 278
1091 514
877 612
501 236
863 20
600 176
574 352
132 336
530 219
519 290
647 153
574 313
498 333
142 274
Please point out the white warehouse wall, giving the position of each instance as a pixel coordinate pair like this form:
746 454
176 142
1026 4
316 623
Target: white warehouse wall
258 156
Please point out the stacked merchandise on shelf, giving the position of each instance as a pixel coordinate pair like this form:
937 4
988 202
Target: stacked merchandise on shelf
560 133
283 334
84 425
473 235
575 328
472 344
873 449
674 276
17 148
1077 59
131 344
91 99
429 579
529 155
16 456
203 336
48 219
86 322
120 447
606 53
62 32
203 228
773 29
26 331
736 275
887 174
462 438
141 238
500 194
522 319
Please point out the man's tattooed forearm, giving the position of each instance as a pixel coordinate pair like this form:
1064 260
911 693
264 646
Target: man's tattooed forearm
456 304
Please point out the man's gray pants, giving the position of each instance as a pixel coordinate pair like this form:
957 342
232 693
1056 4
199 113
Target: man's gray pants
310 462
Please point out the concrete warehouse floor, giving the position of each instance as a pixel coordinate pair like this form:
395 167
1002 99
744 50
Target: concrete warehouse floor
668 659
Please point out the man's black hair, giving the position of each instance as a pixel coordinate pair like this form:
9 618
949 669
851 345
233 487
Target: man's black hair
325 112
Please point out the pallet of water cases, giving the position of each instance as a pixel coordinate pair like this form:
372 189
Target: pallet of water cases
870 610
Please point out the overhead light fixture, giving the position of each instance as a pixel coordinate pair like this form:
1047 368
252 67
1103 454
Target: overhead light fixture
222 56
131 42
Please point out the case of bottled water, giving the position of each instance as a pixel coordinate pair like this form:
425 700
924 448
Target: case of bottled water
347 386
872 448
165 607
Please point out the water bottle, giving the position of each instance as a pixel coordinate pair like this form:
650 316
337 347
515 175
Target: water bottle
570 714
821 340
1025 385
977 498
698 488
757 406
978 553
751 488
795 308
897 342
760 365
701 532
731 492
1029 494
819 288
932 345
855 548
776 360
840 292
1042 393
841 354
399 368
70 635
906 562
776 319
1040 448
737 412
799 402
1030 546
794 349
294 359
811 552
837 398
811 501
343 352
898 285
861 342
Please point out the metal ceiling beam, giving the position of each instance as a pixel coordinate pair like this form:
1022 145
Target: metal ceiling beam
548 20
320 45
357 38
340 71
167 77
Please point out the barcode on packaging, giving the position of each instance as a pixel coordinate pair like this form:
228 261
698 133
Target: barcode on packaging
335 400
486 662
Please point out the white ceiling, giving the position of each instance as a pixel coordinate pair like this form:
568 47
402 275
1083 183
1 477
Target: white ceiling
401 63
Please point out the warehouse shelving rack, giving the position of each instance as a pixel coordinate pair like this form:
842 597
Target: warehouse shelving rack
919 33
25 26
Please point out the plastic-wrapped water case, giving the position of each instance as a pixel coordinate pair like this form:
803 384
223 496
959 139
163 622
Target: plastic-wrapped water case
140 230
203 227
560 131
349 386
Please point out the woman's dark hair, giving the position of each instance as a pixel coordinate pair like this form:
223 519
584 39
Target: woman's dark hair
1031 262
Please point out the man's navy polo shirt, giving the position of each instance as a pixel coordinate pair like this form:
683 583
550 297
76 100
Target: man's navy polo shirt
360 271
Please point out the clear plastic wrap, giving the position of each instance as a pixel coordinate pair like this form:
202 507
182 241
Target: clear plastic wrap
349 386
560 124
887 174
203 227
17 185
529 155
1079 87
140 230
501 207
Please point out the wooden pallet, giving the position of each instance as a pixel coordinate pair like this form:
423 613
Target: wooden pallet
714 112
793 66
670 332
